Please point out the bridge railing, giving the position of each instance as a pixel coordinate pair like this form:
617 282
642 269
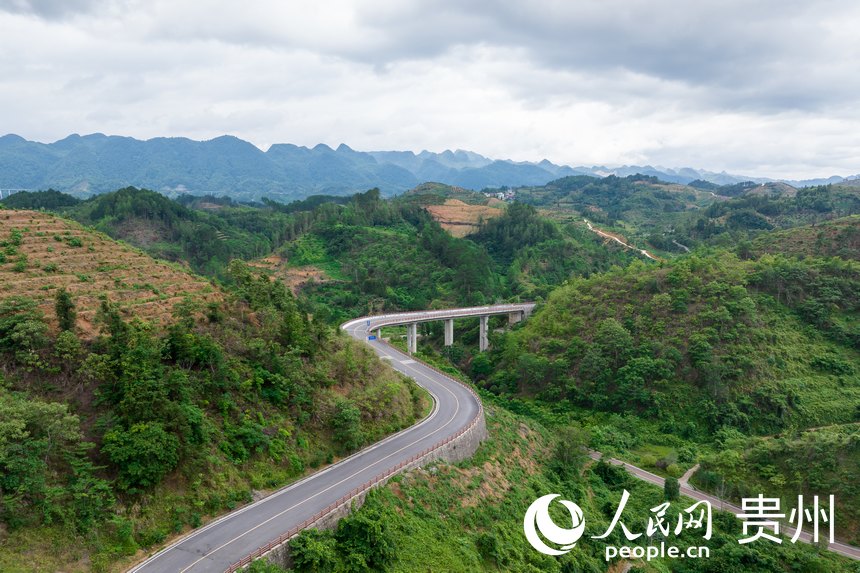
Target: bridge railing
425 316
348 497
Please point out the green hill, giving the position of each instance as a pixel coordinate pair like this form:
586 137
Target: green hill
836 238
703 343
636 199
666 363
120 431
745 217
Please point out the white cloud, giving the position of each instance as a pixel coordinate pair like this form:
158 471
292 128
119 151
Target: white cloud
765 88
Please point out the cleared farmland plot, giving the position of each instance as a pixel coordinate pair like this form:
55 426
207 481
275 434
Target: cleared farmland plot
42 253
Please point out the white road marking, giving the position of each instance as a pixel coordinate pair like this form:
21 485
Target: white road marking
353 327
451 419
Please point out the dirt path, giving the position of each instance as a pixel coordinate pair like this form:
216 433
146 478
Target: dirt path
606 235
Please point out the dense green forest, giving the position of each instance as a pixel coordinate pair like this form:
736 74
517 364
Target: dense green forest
729 343
667 362
392 255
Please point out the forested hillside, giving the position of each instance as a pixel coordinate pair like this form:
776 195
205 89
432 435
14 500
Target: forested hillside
726 343
118 432
636 199
398 257
369 252
673 218
668 363
836 238
746 216
730 356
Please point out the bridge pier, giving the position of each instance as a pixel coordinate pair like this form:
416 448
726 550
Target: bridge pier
483 341
412 337
515 317
449 332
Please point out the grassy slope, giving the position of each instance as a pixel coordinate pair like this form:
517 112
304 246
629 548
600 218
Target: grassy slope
468 517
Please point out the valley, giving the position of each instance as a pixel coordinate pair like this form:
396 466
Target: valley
212 331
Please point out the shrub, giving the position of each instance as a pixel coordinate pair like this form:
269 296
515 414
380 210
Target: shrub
65 309
674 470
314 550
671 489
346 423
144 454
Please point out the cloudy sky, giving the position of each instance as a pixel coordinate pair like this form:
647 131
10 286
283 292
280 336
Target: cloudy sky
760 87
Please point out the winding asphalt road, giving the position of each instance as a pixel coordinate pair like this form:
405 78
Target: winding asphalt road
216 546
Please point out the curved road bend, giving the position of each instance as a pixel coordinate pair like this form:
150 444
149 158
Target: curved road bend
216 546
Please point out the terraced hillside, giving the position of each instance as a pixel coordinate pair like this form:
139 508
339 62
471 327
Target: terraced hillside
42 253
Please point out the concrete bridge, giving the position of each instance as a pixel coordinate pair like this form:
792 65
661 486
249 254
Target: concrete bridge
451 432
515 312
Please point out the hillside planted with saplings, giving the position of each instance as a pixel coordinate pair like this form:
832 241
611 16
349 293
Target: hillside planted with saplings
115 440
206 239
42 254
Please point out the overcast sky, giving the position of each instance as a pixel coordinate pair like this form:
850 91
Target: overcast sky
759 87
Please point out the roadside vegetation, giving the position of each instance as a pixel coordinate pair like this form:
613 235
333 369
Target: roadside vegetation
468 516
737 351
116 437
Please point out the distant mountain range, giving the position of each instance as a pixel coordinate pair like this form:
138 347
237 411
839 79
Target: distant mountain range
96 163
